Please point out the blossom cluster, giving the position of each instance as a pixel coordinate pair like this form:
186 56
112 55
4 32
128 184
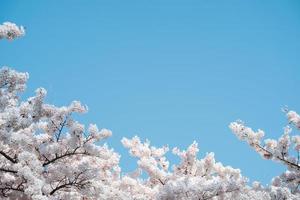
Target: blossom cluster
285 150
11 31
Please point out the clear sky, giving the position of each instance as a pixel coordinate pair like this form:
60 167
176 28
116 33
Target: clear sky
170 71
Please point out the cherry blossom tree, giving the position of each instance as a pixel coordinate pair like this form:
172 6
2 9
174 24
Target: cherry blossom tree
285 150
44 151
191 179
45 154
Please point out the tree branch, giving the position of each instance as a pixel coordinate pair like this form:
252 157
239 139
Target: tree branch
8 170
13 160
62 125
291 164
75 182
64 155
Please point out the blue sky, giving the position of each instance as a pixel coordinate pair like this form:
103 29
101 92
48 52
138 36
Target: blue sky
170 71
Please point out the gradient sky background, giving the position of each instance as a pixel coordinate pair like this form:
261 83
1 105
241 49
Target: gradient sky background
170 71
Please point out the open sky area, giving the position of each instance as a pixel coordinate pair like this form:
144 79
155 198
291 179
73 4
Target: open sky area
170 71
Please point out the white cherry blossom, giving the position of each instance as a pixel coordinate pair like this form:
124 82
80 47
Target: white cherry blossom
45 154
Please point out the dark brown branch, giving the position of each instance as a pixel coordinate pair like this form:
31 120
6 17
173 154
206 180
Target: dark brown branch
75 183
62 125
64 155
8 170
66 185
4 190
13 160
291 164
161 181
